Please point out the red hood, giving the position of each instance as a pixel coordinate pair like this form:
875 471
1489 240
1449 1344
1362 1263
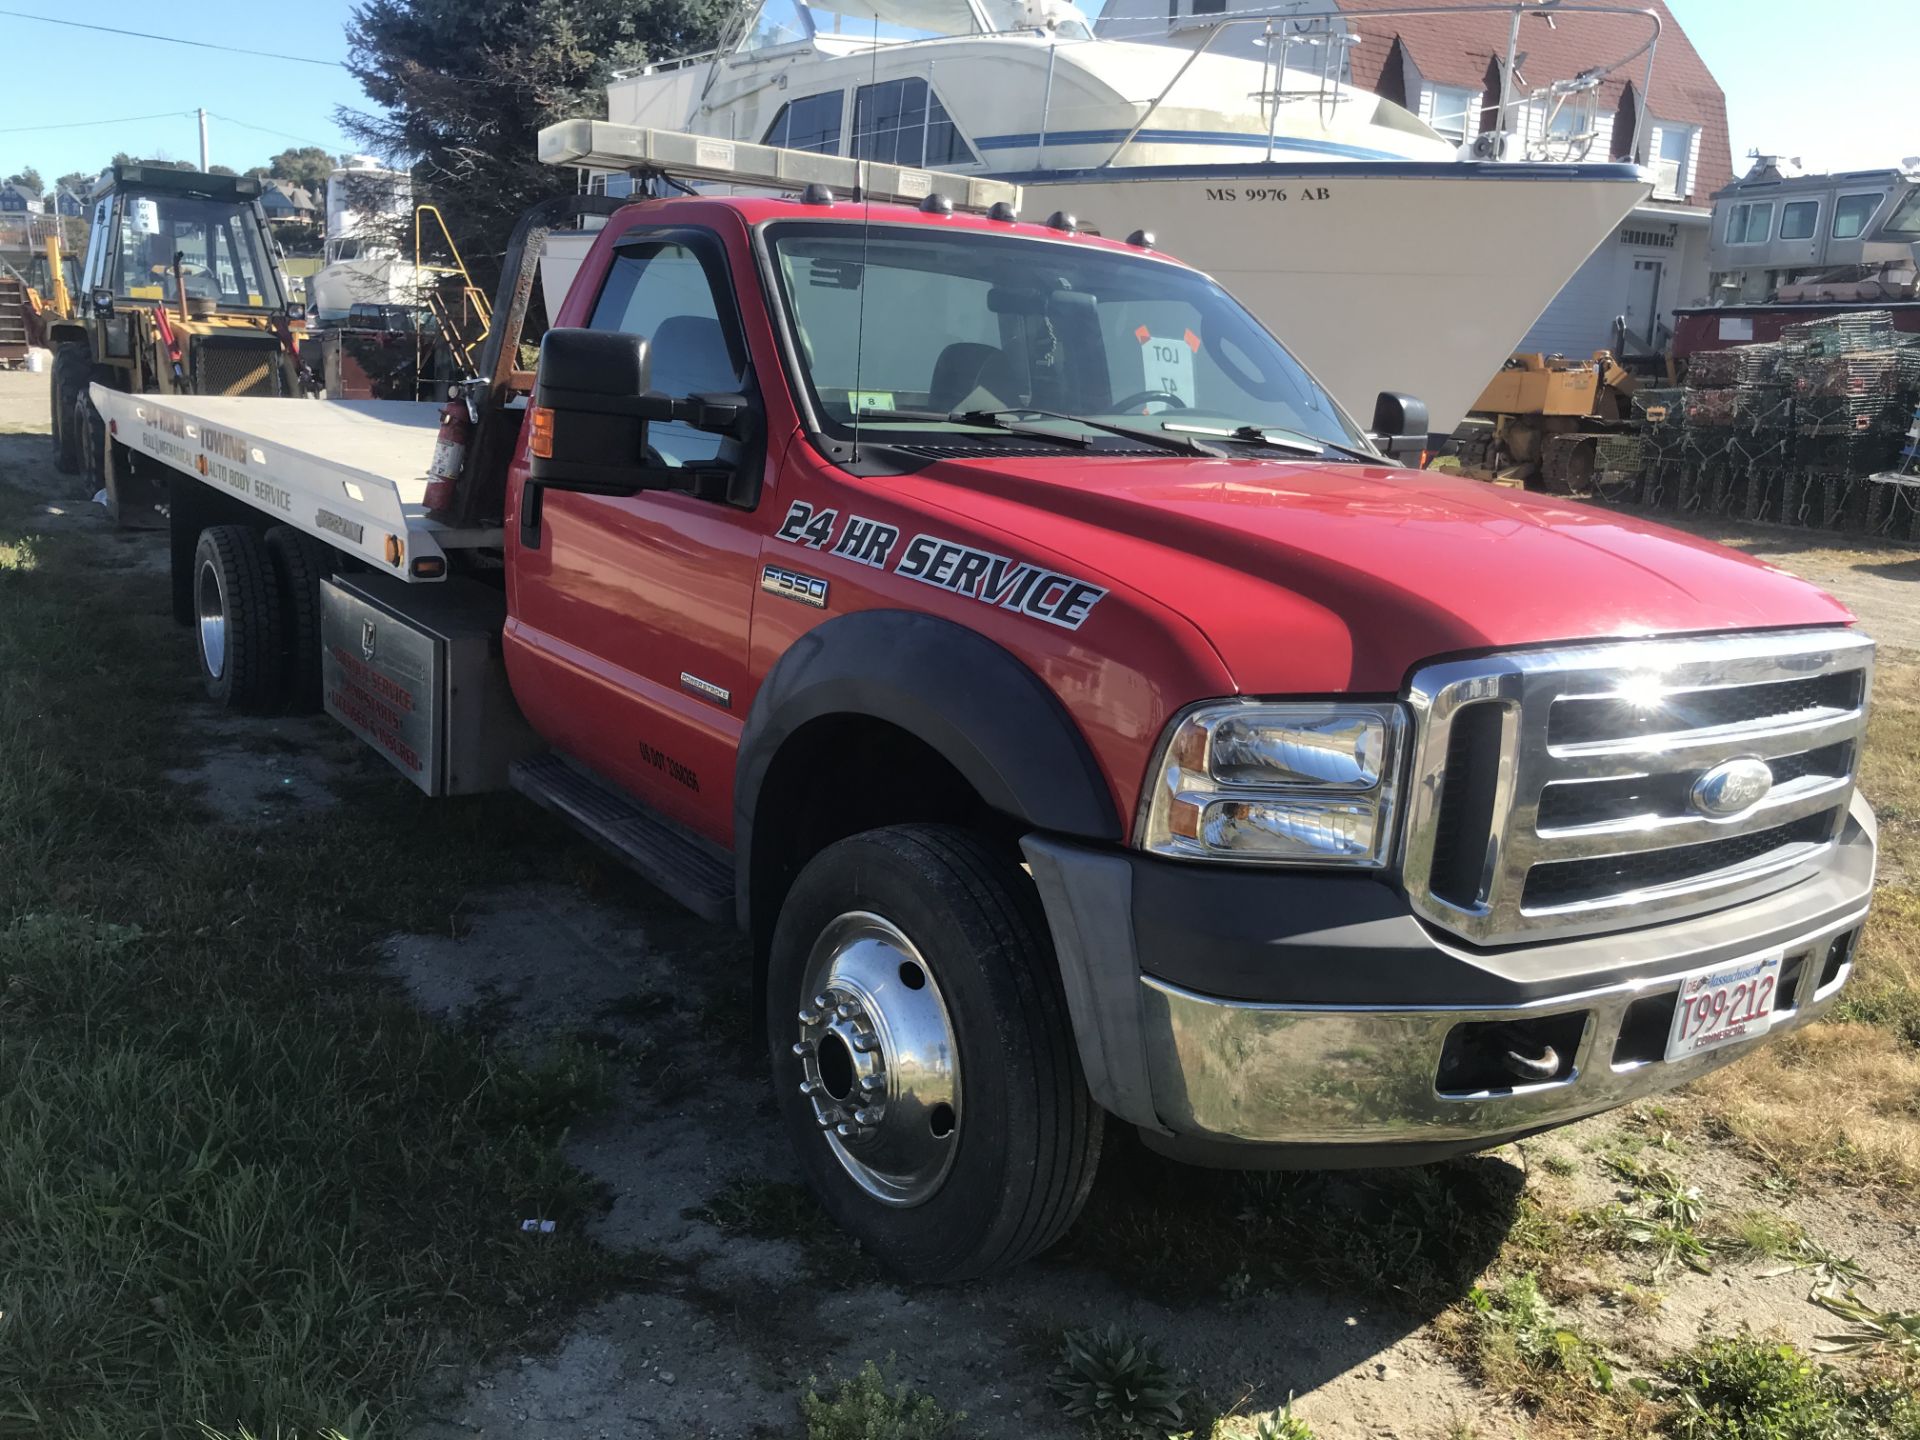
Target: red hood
1310 577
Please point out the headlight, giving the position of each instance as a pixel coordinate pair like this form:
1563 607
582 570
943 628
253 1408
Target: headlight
1283 783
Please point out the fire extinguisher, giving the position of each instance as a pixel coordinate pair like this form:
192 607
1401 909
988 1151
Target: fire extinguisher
449 452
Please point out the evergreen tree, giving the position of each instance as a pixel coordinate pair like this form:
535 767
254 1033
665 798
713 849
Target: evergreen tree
465 86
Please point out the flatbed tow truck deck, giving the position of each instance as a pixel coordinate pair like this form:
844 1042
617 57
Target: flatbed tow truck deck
350 473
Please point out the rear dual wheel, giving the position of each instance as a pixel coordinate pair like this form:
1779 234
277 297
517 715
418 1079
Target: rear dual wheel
922 1055
256 618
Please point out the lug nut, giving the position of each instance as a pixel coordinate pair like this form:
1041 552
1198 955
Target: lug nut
873 1082
866 1044
866 1117
826 1122
807 1087
809 1017
847 1010
843 1130
802 1049
822 1002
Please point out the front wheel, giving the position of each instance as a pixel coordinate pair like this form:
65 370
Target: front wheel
71 367
922 1055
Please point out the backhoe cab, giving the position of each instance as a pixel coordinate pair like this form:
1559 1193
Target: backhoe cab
181 292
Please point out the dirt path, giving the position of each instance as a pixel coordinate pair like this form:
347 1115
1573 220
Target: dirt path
752 1292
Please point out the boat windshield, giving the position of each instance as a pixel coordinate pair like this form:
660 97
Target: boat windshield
911 326
790 22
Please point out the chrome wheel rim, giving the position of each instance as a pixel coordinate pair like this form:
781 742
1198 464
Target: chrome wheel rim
878 1061
211 606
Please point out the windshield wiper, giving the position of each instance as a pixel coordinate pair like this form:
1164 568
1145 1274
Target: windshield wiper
1280 437
979 419
1127 432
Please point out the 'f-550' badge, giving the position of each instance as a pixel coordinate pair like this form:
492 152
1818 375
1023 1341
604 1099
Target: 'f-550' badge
807 589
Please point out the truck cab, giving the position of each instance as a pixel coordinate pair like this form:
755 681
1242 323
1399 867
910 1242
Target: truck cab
1084 716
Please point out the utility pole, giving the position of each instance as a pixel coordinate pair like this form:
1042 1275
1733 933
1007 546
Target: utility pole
203 139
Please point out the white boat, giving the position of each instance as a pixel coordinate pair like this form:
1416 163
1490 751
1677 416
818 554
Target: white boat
1384 256
369 209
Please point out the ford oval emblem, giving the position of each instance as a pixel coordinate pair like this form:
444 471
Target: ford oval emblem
1732 787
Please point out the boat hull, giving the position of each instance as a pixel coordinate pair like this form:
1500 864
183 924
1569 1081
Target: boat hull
1415 277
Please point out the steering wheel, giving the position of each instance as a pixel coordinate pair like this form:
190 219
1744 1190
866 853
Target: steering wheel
1147 397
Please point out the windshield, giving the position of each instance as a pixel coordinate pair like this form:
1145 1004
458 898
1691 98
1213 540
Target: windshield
222 253
903 319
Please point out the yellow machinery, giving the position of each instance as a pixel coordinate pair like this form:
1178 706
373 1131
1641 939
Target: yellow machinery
1540 420
181 292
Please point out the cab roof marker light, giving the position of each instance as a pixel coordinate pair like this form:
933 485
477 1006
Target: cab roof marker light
1003 212
1141 240
1061 220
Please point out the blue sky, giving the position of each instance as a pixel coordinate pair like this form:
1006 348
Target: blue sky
1831 83
60 76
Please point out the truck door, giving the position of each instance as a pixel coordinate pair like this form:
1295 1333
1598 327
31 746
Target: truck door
628 628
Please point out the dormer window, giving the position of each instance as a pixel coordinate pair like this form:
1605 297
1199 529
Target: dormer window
1673 160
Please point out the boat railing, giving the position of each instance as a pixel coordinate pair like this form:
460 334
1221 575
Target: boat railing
1569 108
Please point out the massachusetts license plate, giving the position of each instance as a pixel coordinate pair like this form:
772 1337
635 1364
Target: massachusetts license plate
1730 1002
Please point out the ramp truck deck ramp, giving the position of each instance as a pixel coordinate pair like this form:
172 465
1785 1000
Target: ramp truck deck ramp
1082 715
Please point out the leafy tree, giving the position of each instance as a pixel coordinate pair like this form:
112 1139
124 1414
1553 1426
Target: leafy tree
464 87
28 177
258 172
80 182
152 161
221 170
307 166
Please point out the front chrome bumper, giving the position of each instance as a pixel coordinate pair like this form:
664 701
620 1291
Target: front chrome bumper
1350 1071
1278 1074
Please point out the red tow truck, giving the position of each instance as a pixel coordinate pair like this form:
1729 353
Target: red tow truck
1084 717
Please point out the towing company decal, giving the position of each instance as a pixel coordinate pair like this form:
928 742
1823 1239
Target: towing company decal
220 457
996 580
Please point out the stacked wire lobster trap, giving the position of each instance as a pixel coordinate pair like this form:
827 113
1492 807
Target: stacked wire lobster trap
1817 429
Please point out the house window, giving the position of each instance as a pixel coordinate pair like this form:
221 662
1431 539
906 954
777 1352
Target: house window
1851 215
1799 219
902 122
812 123
1452 110
1750 224
1673 161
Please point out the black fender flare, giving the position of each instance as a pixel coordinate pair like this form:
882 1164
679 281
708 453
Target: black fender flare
973 702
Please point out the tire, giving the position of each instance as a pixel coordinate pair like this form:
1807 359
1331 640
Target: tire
71 365
239 632
90 438
1022 1136
298 563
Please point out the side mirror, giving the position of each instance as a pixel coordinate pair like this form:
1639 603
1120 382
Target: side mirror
1399 425
591 403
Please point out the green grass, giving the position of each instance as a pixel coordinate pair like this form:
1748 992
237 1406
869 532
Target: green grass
1742 1388
869 1407
242 1182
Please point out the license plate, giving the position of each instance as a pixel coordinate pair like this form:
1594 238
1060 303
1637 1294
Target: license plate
1730 1002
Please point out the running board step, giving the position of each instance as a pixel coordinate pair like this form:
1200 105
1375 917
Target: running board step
692 870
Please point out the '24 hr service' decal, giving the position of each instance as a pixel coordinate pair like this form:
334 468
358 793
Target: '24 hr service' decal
966 570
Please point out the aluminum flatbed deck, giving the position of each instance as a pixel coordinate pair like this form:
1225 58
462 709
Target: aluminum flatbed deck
349 472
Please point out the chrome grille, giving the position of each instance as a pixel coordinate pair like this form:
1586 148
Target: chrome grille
1553 790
